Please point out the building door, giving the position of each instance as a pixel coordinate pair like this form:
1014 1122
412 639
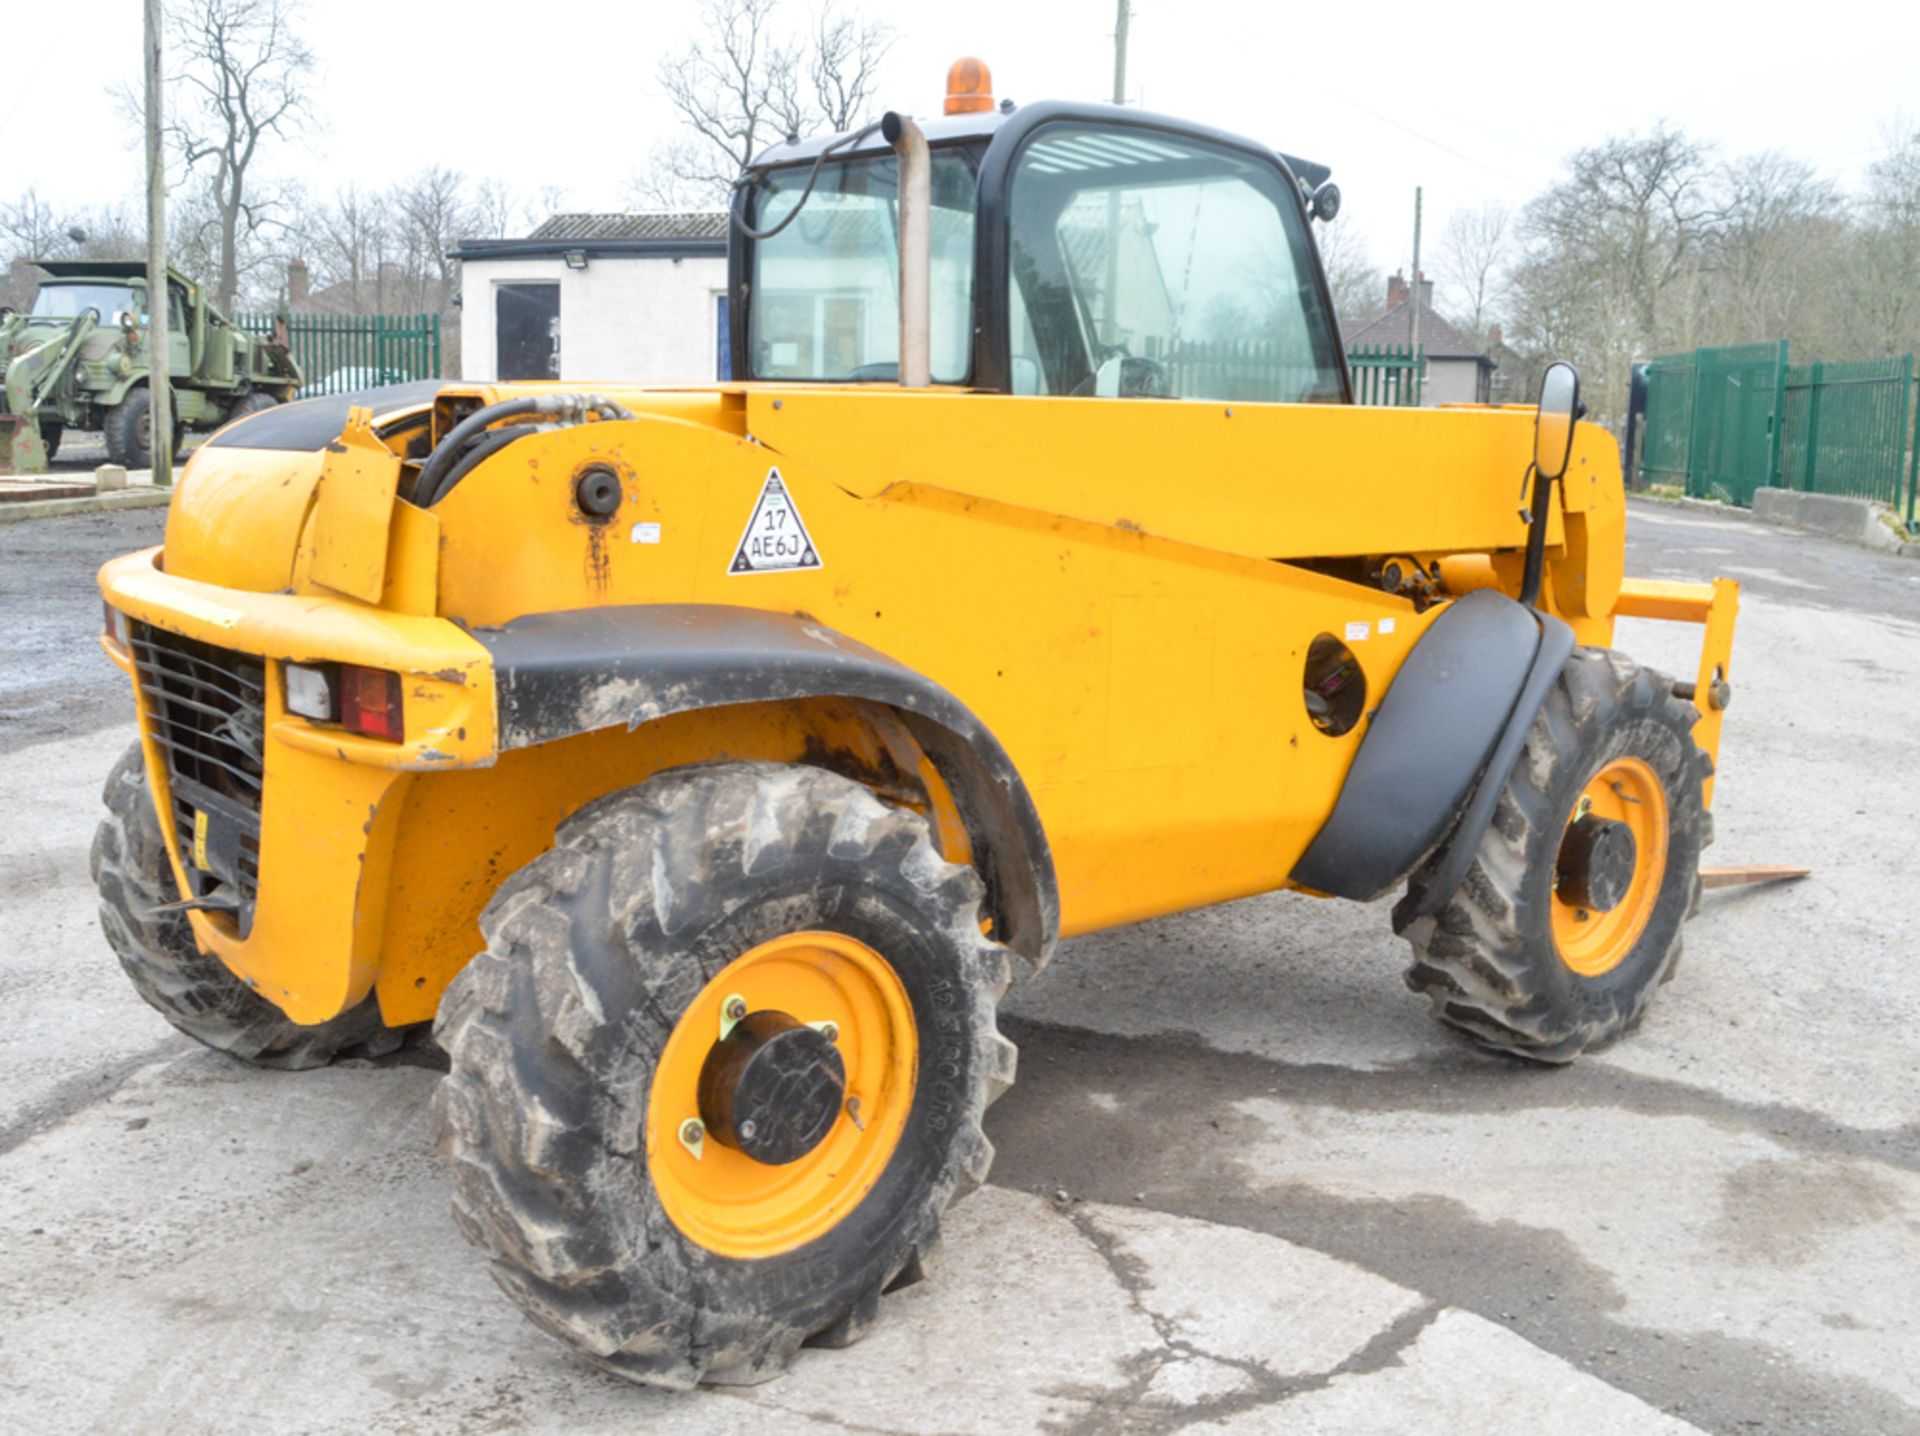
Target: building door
526 331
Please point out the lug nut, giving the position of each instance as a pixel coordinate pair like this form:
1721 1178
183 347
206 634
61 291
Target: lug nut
830 1031
693 1135
736 1008
747 1129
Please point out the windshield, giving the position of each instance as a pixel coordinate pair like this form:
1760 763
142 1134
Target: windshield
67 301
1155 266
826 289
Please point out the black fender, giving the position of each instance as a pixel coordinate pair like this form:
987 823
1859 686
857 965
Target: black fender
1438 752
578 670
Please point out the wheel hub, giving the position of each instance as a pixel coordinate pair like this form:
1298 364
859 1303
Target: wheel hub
1597 859
772 1088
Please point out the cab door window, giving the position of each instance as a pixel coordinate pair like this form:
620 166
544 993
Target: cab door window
1151 266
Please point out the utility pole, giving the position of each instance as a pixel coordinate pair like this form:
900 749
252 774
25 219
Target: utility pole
1414 341
160 415
1123 14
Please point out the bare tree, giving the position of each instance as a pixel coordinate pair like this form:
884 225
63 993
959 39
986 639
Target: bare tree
432 213
845 65
242 84
1475 248
32 228
746 82
1359 295
1888 249
351 236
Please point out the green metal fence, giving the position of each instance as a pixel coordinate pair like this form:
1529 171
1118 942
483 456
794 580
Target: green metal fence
1386 374
1726 422
1846 429
342 353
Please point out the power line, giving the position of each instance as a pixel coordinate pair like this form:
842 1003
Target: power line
1530 186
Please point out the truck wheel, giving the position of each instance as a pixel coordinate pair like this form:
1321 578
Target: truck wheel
129 431
50 432
721 1068
252 403
1570 915
194 990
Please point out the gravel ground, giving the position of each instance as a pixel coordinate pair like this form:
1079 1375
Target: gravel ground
1243 1182
54 680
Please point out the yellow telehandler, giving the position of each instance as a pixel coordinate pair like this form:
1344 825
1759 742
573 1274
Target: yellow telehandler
705 762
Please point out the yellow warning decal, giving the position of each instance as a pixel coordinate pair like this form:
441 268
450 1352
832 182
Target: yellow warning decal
200 840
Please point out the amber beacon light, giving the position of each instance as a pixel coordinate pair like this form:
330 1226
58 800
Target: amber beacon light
969 87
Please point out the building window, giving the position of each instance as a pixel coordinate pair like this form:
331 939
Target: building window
526 331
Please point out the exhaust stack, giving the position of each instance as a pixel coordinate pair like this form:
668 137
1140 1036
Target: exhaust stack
916 209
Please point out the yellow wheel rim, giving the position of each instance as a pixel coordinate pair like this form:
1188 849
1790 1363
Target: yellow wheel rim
725 1200
1626 791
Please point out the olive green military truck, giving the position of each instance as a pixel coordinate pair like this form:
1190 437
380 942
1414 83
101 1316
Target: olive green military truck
82 357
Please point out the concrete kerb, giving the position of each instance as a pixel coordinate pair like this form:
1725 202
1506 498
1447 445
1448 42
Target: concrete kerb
115 488
1859 521
142 498
1855 521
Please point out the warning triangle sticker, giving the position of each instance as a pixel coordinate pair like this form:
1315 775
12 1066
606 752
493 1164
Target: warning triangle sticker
776 540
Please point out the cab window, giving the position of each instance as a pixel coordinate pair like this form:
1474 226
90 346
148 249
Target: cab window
1147 265
826 288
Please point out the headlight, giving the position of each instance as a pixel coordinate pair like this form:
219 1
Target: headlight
310 692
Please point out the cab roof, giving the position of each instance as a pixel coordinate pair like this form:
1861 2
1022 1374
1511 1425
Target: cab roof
984 124
128 269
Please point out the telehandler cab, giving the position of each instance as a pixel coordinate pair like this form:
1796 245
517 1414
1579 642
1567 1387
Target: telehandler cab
1036 575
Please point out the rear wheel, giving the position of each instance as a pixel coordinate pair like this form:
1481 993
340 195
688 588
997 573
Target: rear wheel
252 403
194 990
1569 918
721 1068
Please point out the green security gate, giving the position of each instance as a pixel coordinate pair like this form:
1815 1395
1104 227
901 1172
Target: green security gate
344 353
1739 395
1723 423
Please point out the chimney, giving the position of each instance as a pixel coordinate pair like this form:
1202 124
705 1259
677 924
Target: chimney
299 284
1396 289
1493 336
1426 290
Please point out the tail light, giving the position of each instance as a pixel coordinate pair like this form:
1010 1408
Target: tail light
370 702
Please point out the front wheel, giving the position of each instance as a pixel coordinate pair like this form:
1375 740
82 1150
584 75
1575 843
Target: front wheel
721 1068
128 428
191 989
1569 918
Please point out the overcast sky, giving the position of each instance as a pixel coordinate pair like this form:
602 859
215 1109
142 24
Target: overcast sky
1484 106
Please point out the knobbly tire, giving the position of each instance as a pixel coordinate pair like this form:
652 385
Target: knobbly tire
253 403
556 1033
128 430
1489 961
194 990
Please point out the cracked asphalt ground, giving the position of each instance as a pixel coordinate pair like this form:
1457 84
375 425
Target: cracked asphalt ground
1244 1183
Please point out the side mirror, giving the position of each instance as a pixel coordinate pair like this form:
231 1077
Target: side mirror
1553 424
1326 202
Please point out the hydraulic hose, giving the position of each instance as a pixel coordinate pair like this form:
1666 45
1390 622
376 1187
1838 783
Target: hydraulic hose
444 466
812 176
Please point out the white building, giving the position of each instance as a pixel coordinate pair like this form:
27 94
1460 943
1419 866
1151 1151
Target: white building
636 297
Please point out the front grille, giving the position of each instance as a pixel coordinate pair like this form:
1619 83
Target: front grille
207 708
